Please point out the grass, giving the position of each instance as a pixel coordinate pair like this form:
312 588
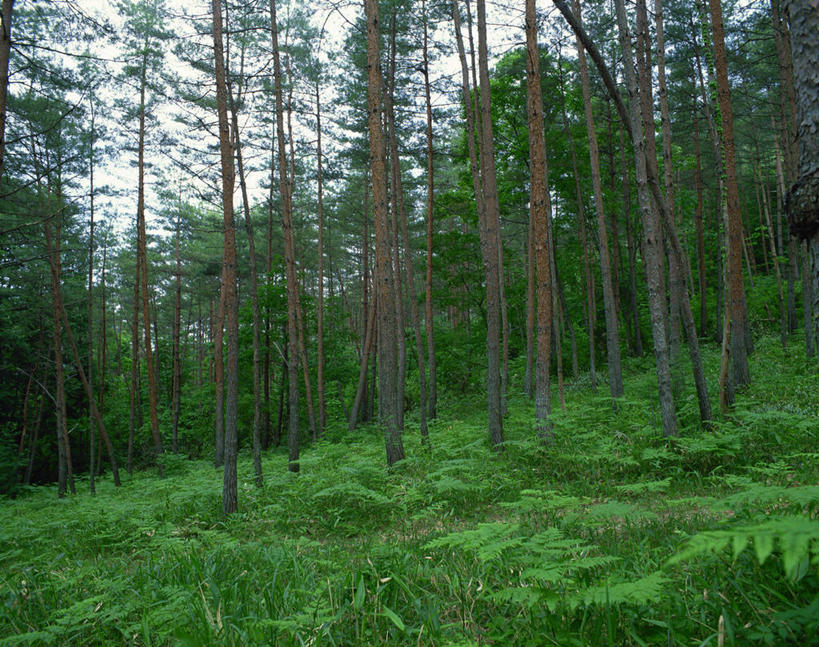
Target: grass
611 535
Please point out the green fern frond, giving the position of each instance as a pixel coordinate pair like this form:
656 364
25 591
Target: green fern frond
797 538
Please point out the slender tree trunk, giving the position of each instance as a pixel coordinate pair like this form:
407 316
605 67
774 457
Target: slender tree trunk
229 287
698 221
322 413
675 268
388 414
632 249
409 265
610 309
176 394
219 374
529 387
5 51
540 213
484 195
63 448
581 228
432 401
134 416
396 205
254 281
143 266
736 291
92 441
290 259
361 389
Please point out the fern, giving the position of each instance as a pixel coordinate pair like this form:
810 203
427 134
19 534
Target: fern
796 537
646 487
642 592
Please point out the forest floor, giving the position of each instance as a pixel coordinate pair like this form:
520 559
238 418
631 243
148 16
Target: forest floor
610 535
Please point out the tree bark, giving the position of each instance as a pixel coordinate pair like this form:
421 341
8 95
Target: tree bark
432 399
289 258
322 412
736 290
540 208
229 288
609 306
254 281
485 188
388 404
5 51
142 254
803 197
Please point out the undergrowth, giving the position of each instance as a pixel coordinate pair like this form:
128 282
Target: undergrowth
608 535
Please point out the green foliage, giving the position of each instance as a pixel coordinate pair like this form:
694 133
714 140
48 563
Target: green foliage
608 535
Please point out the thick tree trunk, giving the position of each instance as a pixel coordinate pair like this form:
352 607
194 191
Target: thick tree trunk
803 197
609 306
229 287
540 209
388 404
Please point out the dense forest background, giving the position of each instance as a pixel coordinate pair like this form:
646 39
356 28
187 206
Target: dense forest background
433 322
114 234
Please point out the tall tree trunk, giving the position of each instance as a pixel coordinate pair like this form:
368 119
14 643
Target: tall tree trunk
387 361
488 232
254 281
610 309
5 51
361 389
134 400
219 374
92 441
529 384
540 212
698 222
322 413
432 401
396 206
409 265
143 265
736 290
63 447
803 197
632 249
289 258
177 331
229 287
675 268
581 228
